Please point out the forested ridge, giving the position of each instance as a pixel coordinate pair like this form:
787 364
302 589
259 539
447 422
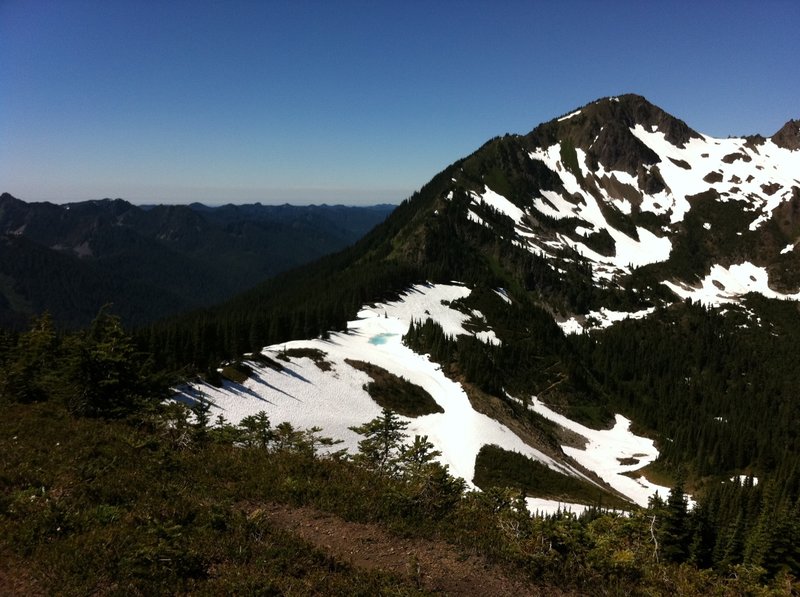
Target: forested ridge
715 390
155 261
100 375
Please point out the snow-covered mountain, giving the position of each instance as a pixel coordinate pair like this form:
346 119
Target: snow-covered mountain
620 185
615 211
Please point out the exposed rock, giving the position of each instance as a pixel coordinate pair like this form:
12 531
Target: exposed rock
788 136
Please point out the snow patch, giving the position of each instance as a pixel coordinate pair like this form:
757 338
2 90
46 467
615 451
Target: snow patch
725 285
473 217
568 116
629 252
595 320
733 160
503 294
571 326
611 453
499 203
543 507
743 478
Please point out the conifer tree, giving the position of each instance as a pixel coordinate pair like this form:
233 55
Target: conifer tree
105 370
257 431
382 444
675 527
418 455
29 366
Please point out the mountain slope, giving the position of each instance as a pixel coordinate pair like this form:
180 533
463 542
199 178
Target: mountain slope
579 218
614 211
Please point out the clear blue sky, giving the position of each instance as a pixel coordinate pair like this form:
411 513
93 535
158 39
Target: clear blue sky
351 102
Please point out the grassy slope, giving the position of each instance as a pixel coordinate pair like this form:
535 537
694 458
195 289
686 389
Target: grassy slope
88 506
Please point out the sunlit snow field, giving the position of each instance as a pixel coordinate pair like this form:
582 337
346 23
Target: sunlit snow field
306 396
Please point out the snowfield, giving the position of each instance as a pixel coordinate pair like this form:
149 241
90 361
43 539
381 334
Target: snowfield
630 252
542 507
611 453
760 176
745 170
497 202
334 400
332 396
595 320
725 285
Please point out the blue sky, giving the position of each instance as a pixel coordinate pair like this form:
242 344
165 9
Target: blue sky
351 102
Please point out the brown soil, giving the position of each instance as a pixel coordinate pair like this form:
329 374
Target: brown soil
15 579
433 566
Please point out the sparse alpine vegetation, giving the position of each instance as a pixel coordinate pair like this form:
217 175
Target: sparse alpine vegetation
94 505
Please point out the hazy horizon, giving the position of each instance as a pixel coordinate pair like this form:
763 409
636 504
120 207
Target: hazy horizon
214 198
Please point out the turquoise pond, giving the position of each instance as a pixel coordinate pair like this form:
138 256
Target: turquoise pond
380 339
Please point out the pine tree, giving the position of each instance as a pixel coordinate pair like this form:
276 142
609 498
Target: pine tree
675 527
29 365
417 456
257 431
105 370
383 441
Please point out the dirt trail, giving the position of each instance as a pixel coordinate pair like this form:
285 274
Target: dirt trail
433 565
14 577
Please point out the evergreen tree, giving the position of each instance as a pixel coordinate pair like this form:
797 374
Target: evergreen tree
106 374
383 442
417 456
675 528
256 431
28 374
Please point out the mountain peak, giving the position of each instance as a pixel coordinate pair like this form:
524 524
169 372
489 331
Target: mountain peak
603 131
8 197
788 136
630 110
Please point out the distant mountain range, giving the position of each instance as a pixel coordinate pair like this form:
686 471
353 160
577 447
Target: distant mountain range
154 261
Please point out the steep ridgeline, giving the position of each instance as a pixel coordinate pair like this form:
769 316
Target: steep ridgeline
155 261
477 289
620 195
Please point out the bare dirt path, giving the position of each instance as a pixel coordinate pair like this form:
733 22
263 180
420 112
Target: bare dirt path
15 579
434 566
